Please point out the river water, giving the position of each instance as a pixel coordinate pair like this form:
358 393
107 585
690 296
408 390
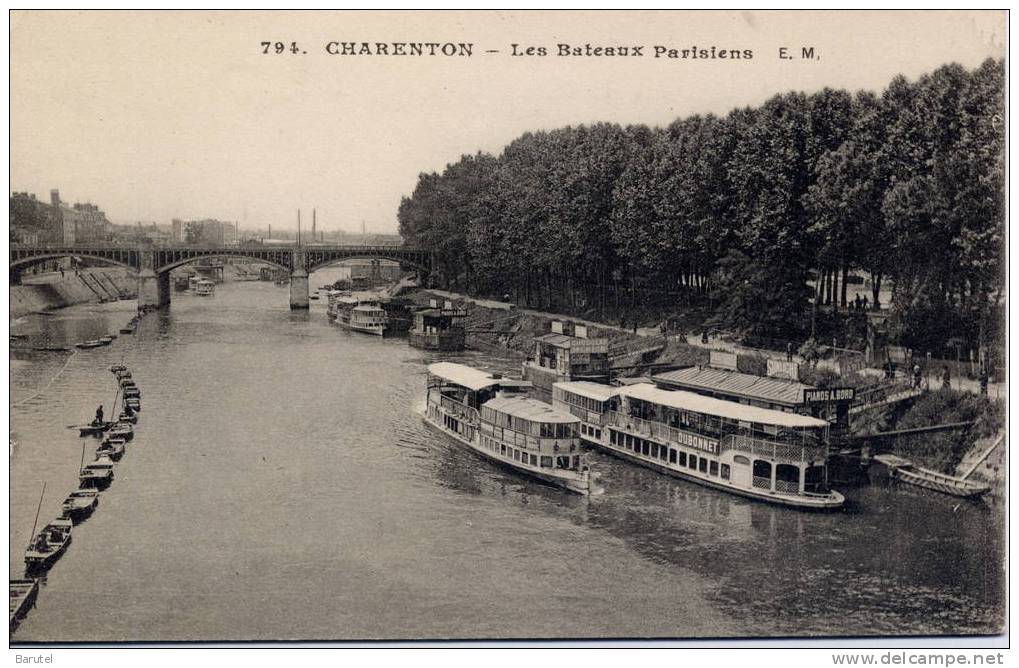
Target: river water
281 485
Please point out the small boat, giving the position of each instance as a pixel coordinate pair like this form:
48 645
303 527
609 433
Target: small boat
121 430
127 330
132 392
205 288
98 474
908 472
94 429
80 503
313 297
22 597
128 417
51 349
134 404
112 448
117 368
107 340
123 375
94 343
48 545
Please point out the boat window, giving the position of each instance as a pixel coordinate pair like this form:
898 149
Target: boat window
787 478
502 449
693 461
516 454
597 433
546 462
682 459
612 437
714 468
740 459
534 460
703 465
672 456
654 450
645 447
725 471
762 474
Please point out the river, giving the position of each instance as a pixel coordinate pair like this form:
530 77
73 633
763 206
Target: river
281 485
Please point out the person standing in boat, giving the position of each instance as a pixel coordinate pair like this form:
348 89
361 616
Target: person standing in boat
99 415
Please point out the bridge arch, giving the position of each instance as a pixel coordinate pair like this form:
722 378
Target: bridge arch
191 260
403 261
19 264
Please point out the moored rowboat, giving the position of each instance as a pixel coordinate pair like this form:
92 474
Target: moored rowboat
22 597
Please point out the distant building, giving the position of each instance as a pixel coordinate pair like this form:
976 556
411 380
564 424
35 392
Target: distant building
209 232
35 221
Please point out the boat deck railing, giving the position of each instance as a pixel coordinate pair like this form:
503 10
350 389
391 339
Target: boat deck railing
458 409
773 449
647 427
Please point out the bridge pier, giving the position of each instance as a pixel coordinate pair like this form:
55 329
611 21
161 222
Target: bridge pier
153 289
298 283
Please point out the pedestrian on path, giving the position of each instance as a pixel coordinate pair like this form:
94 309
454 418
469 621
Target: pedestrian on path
946 378
789 351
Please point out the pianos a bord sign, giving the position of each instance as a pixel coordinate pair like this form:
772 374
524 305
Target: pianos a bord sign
829 395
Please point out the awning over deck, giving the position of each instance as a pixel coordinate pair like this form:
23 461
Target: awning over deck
471 378
698 403
584 388
531 410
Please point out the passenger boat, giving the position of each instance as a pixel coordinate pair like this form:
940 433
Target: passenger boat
112 447
759 453
910 473
488 414
94 429
48 545
98 474
80 503
23 593
181 283
367 317
205 288
193 281
340 303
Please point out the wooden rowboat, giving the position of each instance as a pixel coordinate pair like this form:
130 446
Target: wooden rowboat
22 597
908 472
48 545
94 429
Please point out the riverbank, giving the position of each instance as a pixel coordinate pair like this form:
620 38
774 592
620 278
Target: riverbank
50 291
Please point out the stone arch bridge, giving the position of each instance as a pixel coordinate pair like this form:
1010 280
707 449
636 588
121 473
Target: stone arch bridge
153 265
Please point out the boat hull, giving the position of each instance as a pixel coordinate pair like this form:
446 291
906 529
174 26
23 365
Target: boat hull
578 485
967 491
834 502
36 562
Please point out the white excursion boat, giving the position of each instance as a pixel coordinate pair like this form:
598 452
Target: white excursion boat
487 413
368 317
756 452
205 288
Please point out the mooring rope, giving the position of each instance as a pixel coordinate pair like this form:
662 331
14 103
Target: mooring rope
43 390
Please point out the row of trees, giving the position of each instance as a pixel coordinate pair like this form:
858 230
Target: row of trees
764 212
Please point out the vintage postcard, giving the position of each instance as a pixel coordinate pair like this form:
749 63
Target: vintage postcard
507 325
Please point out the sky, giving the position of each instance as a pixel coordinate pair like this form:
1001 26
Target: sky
161 115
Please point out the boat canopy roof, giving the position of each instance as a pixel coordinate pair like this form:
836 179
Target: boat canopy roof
529 409
724 381
585 388
718 407
471 378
